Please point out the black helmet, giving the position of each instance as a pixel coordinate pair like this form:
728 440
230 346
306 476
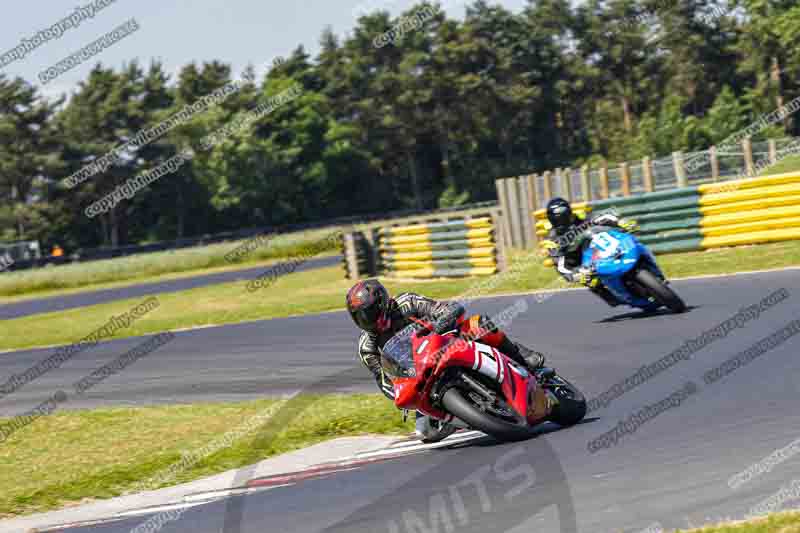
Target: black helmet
368 302
559 212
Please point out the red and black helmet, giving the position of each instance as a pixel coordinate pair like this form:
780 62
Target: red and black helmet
368 303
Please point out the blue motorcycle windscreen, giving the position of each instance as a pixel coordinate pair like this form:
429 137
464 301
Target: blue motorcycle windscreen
612 253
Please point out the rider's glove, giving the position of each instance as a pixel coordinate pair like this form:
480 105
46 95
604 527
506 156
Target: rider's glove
584 276
448 319
548 249
628 225
548 245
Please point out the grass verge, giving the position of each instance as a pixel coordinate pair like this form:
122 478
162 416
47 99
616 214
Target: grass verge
153 267
788 522
74 456
785 165
158 266
49 293
64 459
324 289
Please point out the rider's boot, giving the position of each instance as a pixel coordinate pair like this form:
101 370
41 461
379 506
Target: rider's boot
430 430
483 328
521 354
607 296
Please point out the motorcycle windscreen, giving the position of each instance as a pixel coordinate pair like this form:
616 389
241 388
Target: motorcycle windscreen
398 355
612 253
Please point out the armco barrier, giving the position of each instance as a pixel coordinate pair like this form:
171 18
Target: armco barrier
463 246
748 211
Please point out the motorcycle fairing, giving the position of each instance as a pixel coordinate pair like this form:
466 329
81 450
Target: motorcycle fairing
615 253
433 354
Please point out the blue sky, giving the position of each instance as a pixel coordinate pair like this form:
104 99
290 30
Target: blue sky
177 32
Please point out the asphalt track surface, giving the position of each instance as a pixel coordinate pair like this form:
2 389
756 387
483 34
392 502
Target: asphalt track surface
673 470
61 303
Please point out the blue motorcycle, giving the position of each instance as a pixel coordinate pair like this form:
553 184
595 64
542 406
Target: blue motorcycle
628 269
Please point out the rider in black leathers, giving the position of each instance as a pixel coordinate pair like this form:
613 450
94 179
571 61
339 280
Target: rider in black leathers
381 317
566 232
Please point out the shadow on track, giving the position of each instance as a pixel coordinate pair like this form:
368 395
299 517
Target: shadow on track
639 314
487 441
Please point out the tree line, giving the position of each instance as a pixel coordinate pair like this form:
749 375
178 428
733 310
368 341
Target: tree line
429 119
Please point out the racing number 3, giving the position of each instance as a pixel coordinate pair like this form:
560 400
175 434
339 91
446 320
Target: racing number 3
607 244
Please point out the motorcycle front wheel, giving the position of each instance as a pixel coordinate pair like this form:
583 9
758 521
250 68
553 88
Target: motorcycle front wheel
571 406
464 406
661 292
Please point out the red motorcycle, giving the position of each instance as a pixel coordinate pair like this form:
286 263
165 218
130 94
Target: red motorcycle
470 384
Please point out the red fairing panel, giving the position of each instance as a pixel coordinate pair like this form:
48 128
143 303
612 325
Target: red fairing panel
405 393
434 353
514 381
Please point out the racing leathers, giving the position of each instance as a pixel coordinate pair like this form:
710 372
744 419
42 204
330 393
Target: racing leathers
445 316
567 255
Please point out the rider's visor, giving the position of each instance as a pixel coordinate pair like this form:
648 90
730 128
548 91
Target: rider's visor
561 216
368 318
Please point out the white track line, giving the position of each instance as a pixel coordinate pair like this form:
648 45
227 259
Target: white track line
160 508
213 495
418 447
417 442
201 498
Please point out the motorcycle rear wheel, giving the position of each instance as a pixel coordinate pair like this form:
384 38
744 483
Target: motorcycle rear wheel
661 292
457 404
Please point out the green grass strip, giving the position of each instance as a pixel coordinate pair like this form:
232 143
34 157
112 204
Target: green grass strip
72 456
788 522
324 289
157 266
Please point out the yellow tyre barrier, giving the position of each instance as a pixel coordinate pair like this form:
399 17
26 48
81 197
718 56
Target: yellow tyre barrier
757 226
424 229
426 246
752 238
456 248
741 217
743 195
750 183
475 233
430 256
